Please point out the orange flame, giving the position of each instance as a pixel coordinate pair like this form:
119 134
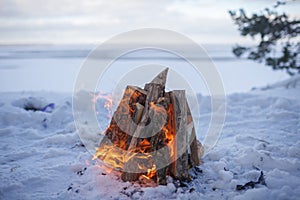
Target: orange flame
169 131
117 156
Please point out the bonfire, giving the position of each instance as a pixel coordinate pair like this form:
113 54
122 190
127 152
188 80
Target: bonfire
151 134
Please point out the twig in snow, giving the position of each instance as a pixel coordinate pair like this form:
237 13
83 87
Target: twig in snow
251 184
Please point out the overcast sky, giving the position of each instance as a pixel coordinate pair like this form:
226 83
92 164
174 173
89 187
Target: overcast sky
91 21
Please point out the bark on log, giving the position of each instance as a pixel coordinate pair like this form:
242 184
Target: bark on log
161 78
138 113
196 149
179 168
135 167
144 128
120 129
154 90
158 142
194 157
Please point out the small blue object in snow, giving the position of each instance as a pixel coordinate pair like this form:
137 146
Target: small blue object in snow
48 108
44 123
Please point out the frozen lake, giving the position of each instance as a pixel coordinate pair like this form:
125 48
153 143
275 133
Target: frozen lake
55 68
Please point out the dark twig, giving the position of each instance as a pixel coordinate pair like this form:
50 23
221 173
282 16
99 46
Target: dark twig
252 184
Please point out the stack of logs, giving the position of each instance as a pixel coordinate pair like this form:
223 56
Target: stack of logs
152 134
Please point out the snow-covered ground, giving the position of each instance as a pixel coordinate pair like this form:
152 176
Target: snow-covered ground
42 156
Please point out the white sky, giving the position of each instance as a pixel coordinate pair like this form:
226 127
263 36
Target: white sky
91 21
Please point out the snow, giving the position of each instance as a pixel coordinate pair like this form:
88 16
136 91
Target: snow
42 157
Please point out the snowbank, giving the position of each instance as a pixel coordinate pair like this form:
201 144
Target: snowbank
42 157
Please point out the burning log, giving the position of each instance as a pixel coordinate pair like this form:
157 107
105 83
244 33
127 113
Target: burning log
154 90
196 148
151 134
158 143
179 168
131 106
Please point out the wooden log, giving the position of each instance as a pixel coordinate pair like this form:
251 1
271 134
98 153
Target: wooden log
142 129
154 89
196 148
138 113
154 92
161 78
164 123
179 168
136 166
158 142
120 127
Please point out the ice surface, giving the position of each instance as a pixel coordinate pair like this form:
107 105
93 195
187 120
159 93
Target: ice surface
55 68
